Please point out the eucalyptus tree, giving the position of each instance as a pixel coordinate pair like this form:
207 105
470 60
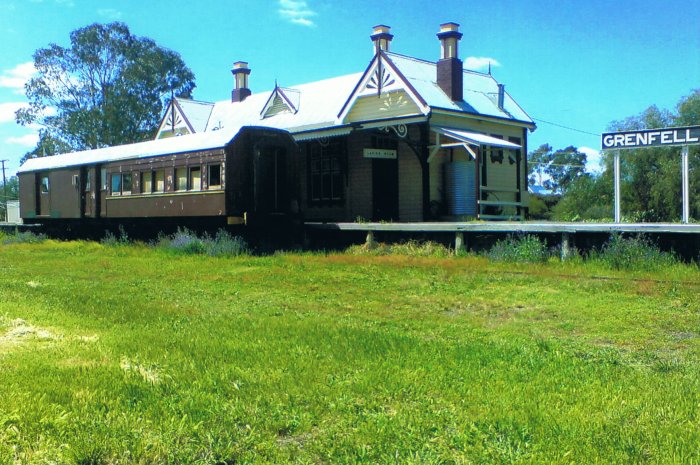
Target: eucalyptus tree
109 87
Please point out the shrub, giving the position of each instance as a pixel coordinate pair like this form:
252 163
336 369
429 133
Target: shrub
187 242
111 239
25 237
183 241
226 245
633 253
522 249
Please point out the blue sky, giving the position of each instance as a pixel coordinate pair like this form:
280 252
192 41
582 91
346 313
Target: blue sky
579 64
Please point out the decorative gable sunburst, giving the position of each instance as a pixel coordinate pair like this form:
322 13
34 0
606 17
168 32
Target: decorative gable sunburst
174 122
281 101
381 79
396 96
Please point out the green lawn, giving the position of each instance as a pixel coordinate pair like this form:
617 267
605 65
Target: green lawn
128 354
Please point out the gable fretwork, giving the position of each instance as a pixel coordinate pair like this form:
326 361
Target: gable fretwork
382 92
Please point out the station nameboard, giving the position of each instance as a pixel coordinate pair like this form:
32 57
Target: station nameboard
385 154
689 135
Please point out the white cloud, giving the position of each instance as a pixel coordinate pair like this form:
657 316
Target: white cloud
109 14
7 111
16 77
594 160
296 12
476 63
28 140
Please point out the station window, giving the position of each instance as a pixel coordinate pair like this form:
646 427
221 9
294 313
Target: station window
147 182
326 173
214 176
44 184
195 178
181 179
496 153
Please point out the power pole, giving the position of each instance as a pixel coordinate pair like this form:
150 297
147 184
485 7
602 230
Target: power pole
4 188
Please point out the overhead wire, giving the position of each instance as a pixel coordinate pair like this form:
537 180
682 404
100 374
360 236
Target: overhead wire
567 127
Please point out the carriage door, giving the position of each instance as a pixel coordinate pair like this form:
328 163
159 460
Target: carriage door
43 200
85 185
271 181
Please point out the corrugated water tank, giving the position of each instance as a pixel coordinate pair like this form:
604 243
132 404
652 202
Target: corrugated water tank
459 187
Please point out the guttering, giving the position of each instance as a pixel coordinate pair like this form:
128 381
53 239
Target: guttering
345 129
478 116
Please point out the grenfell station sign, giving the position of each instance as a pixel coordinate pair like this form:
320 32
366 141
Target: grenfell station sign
689 135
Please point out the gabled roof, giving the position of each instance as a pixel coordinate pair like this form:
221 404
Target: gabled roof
280 101
196 112
480 90
318 107
315 106
382 75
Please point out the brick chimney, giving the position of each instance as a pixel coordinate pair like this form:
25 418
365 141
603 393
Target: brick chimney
450 75
240 73
381 38
501 96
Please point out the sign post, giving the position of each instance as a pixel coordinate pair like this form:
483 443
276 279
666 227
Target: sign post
616 170
686 193
684 136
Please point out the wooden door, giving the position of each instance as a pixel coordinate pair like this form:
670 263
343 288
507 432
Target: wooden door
271 188
43 194
385 189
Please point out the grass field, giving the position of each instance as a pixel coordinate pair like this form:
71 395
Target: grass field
126 354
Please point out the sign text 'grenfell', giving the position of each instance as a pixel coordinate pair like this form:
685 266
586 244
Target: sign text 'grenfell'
689 135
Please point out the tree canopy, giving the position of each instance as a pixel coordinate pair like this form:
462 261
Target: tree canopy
108 88
650 177
555 170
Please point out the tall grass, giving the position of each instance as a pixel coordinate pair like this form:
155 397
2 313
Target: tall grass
633 253
411 248
519 249
128 355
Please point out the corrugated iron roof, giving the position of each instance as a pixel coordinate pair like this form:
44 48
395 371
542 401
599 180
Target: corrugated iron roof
480 90
318 104
317 107
197 112
151 148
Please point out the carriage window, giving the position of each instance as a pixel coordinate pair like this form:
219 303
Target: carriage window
44 184
181 179
116 184
88 181
103 177
195 178
214 176
121 183
126 183
159 181
147 182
